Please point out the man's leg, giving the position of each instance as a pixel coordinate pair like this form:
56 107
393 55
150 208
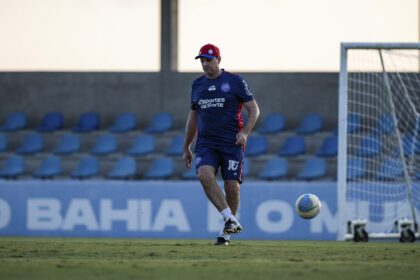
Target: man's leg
206 175
232 195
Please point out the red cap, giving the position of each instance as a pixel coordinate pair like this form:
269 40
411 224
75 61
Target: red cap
208 51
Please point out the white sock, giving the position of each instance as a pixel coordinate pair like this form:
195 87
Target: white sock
227 214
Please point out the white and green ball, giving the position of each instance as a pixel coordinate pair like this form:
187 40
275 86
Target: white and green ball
308 206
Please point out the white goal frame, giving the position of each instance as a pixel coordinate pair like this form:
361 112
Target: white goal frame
342 232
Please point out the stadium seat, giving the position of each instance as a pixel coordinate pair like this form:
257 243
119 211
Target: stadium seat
123 123
310 123
275 168
190 174
162 168
256 145
369 146
160 123
391 168
105 144
50 122
273 123
50 167
87 167
69 144
245 167
353 124
32 143
313 168
411 146
416 127
13 167
3 142
87 122
14 122
329 147
175 149
293 146
384 125
355 168
143 145
124 168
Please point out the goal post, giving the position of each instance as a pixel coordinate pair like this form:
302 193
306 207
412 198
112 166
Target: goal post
378 172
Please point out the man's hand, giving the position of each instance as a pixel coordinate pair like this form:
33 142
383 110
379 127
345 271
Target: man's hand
187 156
241 137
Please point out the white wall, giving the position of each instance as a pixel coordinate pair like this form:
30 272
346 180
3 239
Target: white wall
80 35
290 35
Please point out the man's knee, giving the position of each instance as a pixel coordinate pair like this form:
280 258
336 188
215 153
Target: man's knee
205 173
231 186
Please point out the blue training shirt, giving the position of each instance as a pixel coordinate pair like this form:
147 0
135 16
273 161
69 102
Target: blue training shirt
218 103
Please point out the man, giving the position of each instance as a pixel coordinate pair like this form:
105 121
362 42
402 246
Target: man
215 118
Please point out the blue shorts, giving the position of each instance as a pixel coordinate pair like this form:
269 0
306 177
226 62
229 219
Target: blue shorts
228 158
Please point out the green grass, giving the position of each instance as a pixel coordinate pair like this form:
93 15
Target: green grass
77 258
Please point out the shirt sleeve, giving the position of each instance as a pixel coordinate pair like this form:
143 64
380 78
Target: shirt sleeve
244 92
193 105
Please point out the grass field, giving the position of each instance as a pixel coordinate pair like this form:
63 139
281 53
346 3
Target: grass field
77 258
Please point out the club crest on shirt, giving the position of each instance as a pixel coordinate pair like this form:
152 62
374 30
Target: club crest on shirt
225 87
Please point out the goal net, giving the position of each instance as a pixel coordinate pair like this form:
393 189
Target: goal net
379 142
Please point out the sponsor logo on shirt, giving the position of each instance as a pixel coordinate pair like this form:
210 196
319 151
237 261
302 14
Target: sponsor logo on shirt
212 88
247 89
211 103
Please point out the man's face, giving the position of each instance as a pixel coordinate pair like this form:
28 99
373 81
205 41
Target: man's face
210 65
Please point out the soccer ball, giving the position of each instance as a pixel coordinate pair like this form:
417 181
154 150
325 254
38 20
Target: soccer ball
308 206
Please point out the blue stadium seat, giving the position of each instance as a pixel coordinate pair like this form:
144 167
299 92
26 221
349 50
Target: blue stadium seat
87 167
51 122
355 168
124 122
273 123
329 147
162 168
293 146
417 176
14 122
160 123
416 127
143 145
310 123
105 144
369 146
175 149
411 146
69 144
391 168
124 168
50 167
275 168
353 124
384 125
190 174
87 122
13 167
3 142
314 168
32 143
256 145
245 167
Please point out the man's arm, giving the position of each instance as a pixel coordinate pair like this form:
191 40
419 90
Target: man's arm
253 114
190 134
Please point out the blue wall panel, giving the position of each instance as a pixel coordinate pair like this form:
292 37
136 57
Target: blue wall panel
159 209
